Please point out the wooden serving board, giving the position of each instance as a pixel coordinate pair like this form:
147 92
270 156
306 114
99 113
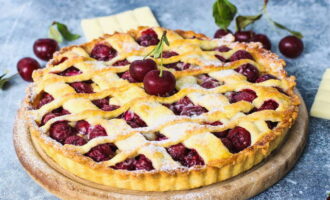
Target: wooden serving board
67 186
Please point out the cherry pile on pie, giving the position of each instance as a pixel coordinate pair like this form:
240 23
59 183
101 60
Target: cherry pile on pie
232 104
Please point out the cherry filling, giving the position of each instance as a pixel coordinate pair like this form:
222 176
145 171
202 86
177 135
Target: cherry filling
44 99
207 82
83 127
186 107
71 71
269 105
140 162
60 131
82 87
241 54
103 52
187 157
128 76
222 48
148 37
133 120
265 77
75 140
103 104
271 125
121 63
244 95
55 113
248 70
239 137
97 131
102 152
178 66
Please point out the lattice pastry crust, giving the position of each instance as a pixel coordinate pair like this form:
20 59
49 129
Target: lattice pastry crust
54 99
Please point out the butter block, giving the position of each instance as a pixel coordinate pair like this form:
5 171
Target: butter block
321 105
121 22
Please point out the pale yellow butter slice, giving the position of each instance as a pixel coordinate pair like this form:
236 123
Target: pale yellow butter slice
121 22
321 105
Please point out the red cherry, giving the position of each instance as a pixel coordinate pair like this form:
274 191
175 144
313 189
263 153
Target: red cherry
75 140
139 68
26 66
269 105
45 48
263 39
244 95
248 70
148 37
244 36
82 126
221 33
177 151
291 46
265 77
59 131
240 138
240 54
155 84
103 52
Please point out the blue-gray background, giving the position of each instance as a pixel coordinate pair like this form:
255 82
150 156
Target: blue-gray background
24 21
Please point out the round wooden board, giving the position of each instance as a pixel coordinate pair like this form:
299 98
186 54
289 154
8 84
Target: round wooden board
246 185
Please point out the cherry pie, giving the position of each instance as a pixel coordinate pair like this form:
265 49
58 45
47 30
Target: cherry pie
232 105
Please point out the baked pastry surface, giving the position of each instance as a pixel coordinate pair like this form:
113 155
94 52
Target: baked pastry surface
232 106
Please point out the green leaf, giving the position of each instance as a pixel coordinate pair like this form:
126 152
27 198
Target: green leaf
158 50
67 35
295 33
223 13
244 21
55 34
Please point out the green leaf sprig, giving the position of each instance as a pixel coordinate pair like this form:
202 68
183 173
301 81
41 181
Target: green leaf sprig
157 52
223 13
278 25
4 80
59 31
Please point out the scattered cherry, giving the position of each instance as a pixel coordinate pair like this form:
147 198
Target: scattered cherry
45 48
139 68
263 39
159 84
291 46
26 66
221 33
244 36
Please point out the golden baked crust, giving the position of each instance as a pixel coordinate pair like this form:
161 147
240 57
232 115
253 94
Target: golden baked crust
168 174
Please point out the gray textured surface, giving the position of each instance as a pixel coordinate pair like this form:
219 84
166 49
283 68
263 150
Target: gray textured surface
23 21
